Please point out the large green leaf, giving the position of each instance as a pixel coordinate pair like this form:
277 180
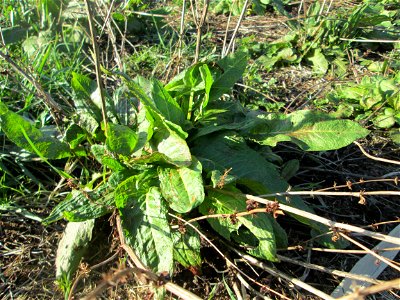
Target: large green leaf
187 247
25 135
72 247
182 187
146 229
80 206
167 105
134 188
85 99
121 139
226 150
222 204
309 130
233 67
105 158
168 142
261 225
145 129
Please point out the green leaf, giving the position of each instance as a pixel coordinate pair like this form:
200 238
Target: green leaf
218 203
310 131
385 119
261 227
318 62
74 135
121 139
85 99
134 188
171 144
72 247
105 158
208 82
81 206
226 150
187 247
146 229
290 168
233 67
18 130
167 105
182 187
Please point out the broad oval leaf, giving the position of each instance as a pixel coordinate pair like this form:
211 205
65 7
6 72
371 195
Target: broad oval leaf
173 146
25 135
263 226
121 139
167 105
187 247
80 206
182 187
233 67
72 247
309 130
146 229
132 189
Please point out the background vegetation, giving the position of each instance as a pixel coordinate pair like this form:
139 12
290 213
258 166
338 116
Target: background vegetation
165 147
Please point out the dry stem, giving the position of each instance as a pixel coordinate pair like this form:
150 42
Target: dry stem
97 62
384 286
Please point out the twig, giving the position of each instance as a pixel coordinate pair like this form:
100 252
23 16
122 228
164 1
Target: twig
327 222
117 276
228 22
230 45
96 58
370 41
278 273
224 256
300 248
384 286
75 284
182 24
327 270
169 286
199 26
376 158
113 39
46 97
373 253
316 218
349 194
250 288
238 214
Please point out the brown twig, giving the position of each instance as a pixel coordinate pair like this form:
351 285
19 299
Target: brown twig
329 223
319 193
199 26
384 286
373 253
93 37
396 162
252 260
236 268
316 218
327 270
75 284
